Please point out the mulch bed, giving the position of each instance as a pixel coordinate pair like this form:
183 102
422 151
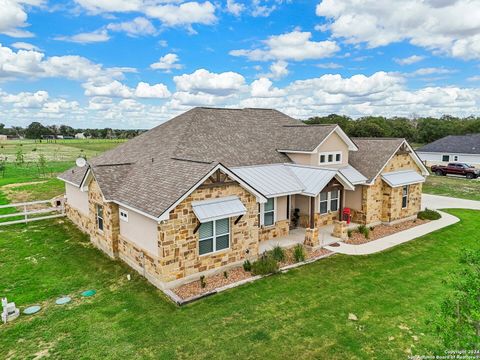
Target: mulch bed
237 274
381 231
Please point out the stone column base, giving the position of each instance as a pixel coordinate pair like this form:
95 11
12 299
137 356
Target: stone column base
311 237
340 229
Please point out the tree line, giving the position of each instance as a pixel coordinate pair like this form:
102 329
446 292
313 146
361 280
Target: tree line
418 130
36 131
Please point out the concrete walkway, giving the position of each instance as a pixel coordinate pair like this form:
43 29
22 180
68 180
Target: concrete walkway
428 201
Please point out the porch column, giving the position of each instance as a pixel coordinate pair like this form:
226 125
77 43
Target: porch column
342 199
312 212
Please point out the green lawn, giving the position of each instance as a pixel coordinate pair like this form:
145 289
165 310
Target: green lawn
452 186
301 314
60 150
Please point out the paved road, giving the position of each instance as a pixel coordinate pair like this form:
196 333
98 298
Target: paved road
429 201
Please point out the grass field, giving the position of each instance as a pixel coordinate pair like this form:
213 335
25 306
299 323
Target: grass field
301 314
452 186
60 150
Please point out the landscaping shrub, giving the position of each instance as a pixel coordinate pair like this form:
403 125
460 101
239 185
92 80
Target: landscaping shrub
362 229
225 275
278 253
247 265
266 264
349 233
428 214
203 283
299 253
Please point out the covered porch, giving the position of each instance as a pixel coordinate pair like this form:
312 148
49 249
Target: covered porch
297 236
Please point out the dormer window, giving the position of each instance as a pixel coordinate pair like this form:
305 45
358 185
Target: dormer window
330 158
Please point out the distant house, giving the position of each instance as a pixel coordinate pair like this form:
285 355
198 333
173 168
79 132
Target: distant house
453 148
80 136
3 137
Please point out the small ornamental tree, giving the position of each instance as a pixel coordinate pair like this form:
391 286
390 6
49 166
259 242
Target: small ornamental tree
19 157
3 165
42 164
458 322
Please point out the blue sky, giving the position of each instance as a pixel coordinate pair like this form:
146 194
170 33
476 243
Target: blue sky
137 63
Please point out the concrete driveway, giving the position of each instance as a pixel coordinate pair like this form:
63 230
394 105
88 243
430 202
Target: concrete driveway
444 202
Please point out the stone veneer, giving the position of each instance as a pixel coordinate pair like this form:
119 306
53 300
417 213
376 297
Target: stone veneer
326 219
106 240
279 229
381 203
340 229
178 243
82 221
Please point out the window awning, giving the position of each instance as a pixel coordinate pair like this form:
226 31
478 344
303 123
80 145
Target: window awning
215 209
402 178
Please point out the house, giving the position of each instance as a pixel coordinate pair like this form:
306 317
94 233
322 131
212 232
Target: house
80 136
205 190
452 148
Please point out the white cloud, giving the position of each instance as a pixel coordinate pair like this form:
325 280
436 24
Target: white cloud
330 65
262 88
26 99
432 71
157 91
187 13
235 8
13 17
169 12
111 89
167 63
295 45
474 78
278 70
211 83
262 10
115 89
136 27
24 46
87 37
34 64
99 6
409 60
449 27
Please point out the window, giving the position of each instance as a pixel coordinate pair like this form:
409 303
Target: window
124 215
214 236
329 201
455 158
404 196
323 203
330 158
100 217
446 158
269 212
334 200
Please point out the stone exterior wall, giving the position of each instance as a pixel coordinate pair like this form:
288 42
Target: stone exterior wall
145 263
106 240
414 204
326 219
178 243
280 228
381 203
82 221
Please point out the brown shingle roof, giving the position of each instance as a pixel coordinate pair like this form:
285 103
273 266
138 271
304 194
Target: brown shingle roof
153 170
373 154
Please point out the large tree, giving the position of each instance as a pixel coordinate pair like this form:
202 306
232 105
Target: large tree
35 131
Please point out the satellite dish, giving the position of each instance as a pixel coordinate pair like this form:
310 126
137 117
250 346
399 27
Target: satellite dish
81 162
